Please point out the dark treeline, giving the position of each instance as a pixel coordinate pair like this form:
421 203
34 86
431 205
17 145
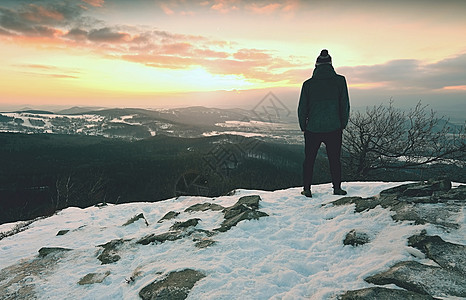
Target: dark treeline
43 173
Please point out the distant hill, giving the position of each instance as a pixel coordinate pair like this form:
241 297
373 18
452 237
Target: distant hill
77 110
137 123
39 112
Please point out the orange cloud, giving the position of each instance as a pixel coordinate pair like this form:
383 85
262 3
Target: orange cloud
251 54
264 9
225 6
455 88
150 47
166 9
95 3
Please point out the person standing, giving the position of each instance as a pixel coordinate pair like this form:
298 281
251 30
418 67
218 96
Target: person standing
323 113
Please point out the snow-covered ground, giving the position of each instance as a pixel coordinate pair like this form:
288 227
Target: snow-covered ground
296 252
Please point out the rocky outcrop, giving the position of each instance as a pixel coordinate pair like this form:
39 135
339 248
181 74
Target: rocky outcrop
176 285
419 189
246 208
409 202
449 256
433 202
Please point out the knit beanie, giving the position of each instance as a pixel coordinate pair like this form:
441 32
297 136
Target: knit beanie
324 58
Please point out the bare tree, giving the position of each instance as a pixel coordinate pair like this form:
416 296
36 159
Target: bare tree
388 138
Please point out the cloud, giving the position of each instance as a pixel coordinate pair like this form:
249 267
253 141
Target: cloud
49 71
38 20
77 34
410 74
107 34
95 3
264 8
182 7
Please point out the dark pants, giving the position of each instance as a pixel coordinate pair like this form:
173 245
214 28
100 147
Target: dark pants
332 141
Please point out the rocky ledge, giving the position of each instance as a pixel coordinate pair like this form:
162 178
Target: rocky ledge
445 275
14 283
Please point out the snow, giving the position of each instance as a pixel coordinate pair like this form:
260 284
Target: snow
245 134
296 252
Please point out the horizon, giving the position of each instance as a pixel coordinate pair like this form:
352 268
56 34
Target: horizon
164 54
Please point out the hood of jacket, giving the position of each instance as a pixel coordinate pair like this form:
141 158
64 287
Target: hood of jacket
324 71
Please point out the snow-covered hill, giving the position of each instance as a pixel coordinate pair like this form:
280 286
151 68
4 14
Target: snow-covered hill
295 252
131 123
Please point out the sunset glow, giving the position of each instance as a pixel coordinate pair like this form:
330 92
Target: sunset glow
89 51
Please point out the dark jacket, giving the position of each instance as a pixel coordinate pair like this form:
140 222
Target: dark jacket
324 102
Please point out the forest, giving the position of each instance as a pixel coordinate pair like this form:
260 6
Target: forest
43 173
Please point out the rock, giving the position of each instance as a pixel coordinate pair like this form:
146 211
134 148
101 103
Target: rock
244 209
420 213
168 216
378 293
413 208
184 225
423 279
419 189
204 243
109 255
355 238
448 255
247 215
250 201
48 250
176 285
361 204
92 278
62 232
161 238
458 193
204 207
135 218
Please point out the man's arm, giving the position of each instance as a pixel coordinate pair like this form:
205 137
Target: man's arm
344 105
303 110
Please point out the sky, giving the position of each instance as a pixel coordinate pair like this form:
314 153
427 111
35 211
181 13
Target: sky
161 53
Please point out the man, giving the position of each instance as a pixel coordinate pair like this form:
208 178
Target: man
323 113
